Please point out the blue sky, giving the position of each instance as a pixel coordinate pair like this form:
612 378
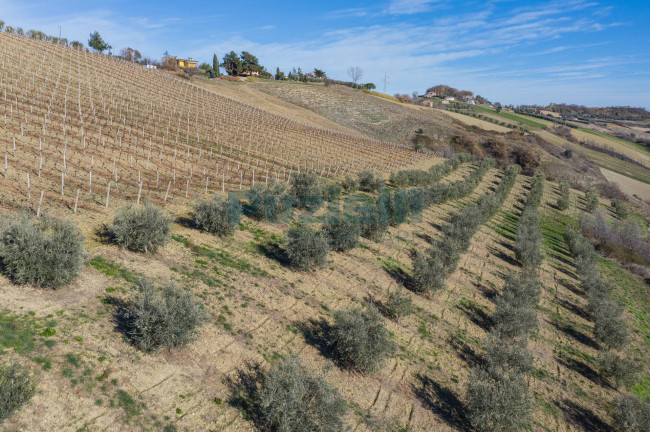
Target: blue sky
593 53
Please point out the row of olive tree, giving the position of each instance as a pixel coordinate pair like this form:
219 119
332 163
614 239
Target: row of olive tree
412 178
499 386
630 413
430 269
440 193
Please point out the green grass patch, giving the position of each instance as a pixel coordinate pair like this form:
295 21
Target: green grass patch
17 333
113 269
127 403
614 138
220 257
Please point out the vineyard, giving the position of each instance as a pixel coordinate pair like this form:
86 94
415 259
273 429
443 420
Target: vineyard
81 129
465 293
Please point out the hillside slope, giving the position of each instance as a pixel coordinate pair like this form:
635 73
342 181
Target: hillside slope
77 122
95 121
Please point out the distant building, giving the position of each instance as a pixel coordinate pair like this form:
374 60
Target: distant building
427 103
430 94
148 66
471 102
186 63
450 98
247 74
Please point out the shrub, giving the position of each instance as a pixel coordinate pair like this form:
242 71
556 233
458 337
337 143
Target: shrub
218 216
342 234
294 399
592 200
45 252
360 339
369 182
621 209
16 388
612 366
142 229
466 142
497 401
565 194
631 414
163 317
527 158
350 184
498 148
306 189
399 304
306 249
428 274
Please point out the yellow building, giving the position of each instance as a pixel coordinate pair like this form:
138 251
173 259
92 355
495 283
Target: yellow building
186 63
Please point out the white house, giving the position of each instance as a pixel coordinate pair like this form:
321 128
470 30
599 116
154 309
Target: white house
148 66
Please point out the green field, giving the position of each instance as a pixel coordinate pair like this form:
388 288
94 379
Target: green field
615 138
525 120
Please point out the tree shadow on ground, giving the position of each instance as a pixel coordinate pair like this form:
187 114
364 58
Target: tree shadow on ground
575 309
275 252
244 388
400 276
476 315
503 256
581 417
186 222
317 333
465 352
121 318
508 246
571 286
104 234
582 368
575 334
426 237
442 401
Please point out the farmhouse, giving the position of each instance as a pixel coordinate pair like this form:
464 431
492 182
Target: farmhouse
430 94
186 63
427 103
249 73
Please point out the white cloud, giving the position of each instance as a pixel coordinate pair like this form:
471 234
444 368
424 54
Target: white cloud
408 7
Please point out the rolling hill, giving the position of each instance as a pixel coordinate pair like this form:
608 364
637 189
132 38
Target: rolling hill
93 133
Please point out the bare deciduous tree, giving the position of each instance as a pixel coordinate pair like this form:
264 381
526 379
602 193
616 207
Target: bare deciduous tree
355 73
